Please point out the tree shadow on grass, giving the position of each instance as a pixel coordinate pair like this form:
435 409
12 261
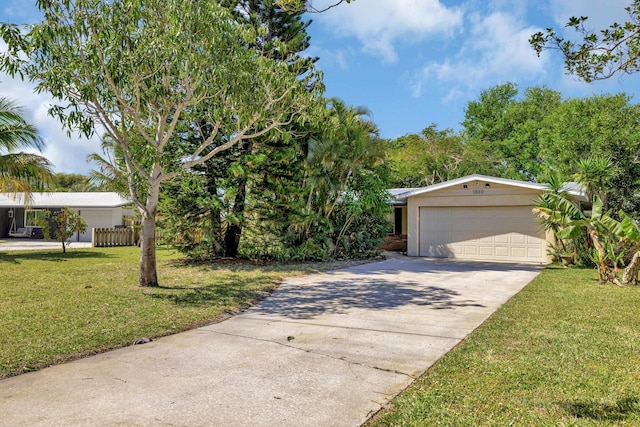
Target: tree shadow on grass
215 294
240 265
17 257
599 411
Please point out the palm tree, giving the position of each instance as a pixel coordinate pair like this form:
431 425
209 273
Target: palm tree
20 172
628 230
348 145
111 174
595 173
350 141
594 227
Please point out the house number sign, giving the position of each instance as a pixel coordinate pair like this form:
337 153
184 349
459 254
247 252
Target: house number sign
478 191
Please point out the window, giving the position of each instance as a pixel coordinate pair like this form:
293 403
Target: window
33 217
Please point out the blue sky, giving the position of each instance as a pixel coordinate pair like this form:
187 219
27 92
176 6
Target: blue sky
411 62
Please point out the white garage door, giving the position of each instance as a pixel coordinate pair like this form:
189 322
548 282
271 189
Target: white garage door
494 233
95 218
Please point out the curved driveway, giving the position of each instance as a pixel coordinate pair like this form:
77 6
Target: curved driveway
324 350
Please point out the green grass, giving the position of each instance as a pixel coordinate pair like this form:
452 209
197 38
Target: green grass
563 352
55 307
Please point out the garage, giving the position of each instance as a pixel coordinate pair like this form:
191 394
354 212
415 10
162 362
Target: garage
479 218
491 233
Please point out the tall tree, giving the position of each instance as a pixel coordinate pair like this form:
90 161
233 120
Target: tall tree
598 127
20 172
427 158
284 39
600 54
238 175
346 148
349 141
138 67
507 128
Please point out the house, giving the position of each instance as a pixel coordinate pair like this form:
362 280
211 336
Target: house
99 209
476 217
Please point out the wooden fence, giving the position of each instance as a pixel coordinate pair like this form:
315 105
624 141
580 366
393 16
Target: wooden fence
106 237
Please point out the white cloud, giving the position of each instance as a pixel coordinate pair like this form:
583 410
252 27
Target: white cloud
379 24
495 49
331 58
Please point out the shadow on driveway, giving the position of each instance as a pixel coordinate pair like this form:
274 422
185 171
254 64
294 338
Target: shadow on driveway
338 297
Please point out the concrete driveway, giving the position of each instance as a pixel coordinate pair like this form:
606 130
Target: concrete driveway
324 350
37 244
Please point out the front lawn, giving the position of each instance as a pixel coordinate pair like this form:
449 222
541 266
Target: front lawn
56 307
564 351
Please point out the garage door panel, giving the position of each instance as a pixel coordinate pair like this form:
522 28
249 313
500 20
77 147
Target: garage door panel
501 238
535 253
470 250
506 233
486 250
531 240
518 239
518 252
502 251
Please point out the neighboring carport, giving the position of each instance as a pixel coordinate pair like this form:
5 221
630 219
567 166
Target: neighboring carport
478 218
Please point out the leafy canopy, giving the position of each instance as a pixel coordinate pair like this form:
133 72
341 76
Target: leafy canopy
601 54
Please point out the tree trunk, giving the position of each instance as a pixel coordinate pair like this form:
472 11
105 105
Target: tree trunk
234 231
604 272
216 232
215 221
630 275
148 275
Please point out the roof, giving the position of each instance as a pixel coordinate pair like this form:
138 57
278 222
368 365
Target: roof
397 195
60 200
574 189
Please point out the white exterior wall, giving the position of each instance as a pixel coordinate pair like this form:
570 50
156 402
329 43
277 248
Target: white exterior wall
98 218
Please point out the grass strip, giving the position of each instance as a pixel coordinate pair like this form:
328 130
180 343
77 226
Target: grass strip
564 351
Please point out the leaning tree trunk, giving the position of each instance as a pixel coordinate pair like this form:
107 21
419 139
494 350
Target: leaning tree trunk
604 272
631 272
